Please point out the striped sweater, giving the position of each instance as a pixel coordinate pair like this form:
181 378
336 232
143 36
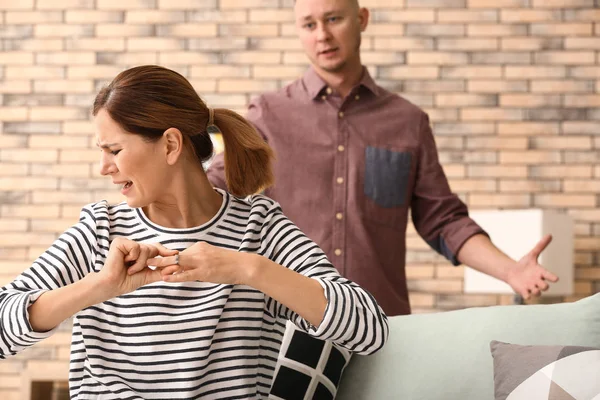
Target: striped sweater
193 339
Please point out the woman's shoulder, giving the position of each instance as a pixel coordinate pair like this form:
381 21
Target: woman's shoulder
256 208
258 202
103 211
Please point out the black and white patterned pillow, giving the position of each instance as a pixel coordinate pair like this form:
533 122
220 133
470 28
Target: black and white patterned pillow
307 368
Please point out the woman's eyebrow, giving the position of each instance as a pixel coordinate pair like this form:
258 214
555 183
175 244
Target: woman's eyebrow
105 146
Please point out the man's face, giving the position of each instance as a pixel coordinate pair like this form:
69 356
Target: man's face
330 32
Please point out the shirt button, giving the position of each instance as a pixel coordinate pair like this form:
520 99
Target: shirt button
338 252
340 180
341 148
339 215
323 97
356 97
328 90
341 114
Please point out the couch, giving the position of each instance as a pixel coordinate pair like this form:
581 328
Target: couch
447 355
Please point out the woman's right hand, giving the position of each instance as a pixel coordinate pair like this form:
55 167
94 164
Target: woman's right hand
125 268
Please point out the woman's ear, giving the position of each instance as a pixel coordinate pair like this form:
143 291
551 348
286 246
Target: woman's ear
173 139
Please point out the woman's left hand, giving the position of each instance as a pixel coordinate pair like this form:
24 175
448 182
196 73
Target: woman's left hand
206 263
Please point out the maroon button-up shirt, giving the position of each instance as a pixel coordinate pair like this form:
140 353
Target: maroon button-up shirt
347 172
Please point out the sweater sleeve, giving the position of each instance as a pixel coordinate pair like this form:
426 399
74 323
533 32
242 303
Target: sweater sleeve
66 261
352 318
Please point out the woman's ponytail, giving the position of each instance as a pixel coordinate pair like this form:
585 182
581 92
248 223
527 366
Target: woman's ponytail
248 157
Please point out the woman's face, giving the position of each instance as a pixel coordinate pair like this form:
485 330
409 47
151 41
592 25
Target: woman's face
137 166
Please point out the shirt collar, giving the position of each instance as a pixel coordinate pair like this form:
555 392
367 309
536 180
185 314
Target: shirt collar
315 84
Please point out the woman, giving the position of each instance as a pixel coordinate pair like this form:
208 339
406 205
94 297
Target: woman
182 291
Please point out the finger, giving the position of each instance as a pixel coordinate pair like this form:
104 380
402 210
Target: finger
535 292
163 251
161 262
140 263
543 286
549 276
152 276
170 270
541 245
120 243
181 277
157 249
132 251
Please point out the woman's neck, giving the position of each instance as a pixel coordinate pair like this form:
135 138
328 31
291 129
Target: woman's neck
190 200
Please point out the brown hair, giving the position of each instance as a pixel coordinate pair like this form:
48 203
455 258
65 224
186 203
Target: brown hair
148 100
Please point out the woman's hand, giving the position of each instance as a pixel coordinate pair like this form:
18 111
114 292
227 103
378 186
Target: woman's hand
206 263
125 268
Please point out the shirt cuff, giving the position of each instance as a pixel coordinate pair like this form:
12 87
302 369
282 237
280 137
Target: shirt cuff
31 298
324 328
458 238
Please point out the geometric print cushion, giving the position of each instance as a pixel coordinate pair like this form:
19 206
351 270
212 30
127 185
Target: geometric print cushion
545 372
307 368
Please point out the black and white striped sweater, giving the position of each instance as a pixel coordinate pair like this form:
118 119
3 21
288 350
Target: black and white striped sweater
185 340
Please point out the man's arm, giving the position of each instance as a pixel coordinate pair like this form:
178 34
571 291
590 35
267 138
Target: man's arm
438 215
526 276
441 218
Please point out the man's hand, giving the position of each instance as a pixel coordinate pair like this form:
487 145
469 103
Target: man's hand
528 278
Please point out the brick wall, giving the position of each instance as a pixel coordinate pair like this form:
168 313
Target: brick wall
512 88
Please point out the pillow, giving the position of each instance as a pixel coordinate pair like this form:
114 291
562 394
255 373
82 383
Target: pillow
307 368
545 372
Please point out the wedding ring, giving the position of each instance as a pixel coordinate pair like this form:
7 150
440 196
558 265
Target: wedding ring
176 259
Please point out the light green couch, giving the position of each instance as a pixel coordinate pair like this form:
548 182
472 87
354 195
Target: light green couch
447 355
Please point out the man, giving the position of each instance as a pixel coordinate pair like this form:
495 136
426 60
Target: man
352 158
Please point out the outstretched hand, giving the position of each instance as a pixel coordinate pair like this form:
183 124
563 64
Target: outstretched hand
528 278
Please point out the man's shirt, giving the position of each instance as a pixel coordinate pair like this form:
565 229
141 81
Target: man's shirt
347 172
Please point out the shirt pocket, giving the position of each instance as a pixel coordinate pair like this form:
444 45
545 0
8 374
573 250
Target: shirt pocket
387 175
